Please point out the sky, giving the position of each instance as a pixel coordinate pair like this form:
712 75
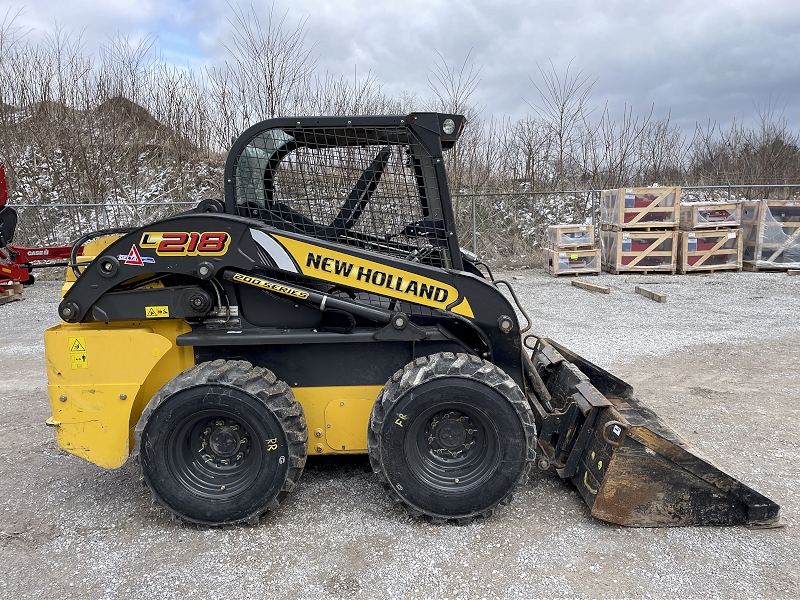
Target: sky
693 61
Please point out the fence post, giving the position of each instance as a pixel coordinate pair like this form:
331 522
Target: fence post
104 213
474 226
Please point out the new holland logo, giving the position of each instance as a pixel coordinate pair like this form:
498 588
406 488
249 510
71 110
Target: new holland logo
134 258
372 276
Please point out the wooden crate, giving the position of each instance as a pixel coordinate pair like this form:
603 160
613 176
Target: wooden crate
639 251
640 208
566 237
571 262
10 291
716 250
710 215
771 234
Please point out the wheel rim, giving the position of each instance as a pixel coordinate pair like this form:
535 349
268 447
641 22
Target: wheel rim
454 447
211 453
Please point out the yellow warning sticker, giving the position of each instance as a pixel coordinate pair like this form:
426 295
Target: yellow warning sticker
78 356
77 344
156 312
78 360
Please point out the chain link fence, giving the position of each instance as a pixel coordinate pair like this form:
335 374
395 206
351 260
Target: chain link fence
59 224
503 228
510 228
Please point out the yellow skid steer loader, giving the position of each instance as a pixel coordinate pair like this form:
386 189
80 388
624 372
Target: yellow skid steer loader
325 307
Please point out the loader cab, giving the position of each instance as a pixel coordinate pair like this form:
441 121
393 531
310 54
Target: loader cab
376 183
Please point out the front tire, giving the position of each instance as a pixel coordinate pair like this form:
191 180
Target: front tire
222 443
451 436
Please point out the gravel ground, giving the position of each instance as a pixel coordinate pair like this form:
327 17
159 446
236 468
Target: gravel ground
719 361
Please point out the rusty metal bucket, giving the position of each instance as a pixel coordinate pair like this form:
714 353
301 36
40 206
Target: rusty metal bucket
630 466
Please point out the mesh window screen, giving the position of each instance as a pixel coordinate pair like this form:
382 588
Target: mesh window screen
363 186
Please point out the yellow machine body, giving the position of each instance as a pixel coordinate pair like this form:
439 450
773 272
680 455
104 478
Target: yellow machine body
100 378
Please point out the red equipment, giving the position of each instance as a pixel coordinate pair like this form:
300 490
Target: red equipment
17 262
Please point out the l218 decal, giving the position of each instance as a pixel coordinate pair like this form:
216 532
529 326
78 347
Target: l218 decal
182 243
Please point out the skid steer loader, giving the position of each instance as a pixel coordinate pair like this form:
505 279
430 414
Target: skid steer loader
325 307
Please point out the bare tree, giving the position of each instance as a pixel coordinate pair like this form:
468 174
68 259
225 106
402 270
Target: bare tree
663 150
563 108
269 71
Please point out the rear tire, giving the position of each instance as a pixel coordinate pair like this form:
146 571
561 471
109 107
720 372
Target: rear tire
451 436
222 443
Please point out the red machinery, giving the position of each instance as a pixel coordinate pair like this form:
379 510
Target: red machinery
17 262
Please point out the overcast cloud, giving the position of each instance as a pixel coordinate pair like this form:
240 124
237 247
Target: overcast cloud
712 60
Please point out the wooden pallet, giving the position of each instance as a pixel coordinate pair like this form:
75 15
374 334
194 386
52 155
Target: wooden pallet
653 227
639 251
9 292
569 237
766 267
710 215
710 250
712 271
571 262
642 271
636 208
771 232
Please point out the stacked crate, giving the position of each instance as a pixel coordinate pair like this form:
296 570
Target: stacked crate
771 232
710 237
571 251
639 229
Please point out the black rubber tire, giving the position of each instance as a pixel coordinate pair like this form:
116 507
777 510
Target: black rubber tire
222 443
450 436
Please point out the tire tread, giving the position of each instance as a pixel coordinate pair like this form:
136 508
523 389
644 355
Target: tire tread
447 364
259 382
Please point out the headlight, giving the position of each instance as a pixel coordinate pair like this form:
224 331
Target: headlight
449 126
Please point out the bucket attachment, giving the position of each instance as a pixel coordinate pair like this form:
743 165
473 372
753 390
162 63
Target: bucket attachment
630 467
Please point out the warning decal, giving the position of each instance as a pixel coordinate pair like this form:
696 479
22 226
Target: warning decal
156 312
135 258
78 356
